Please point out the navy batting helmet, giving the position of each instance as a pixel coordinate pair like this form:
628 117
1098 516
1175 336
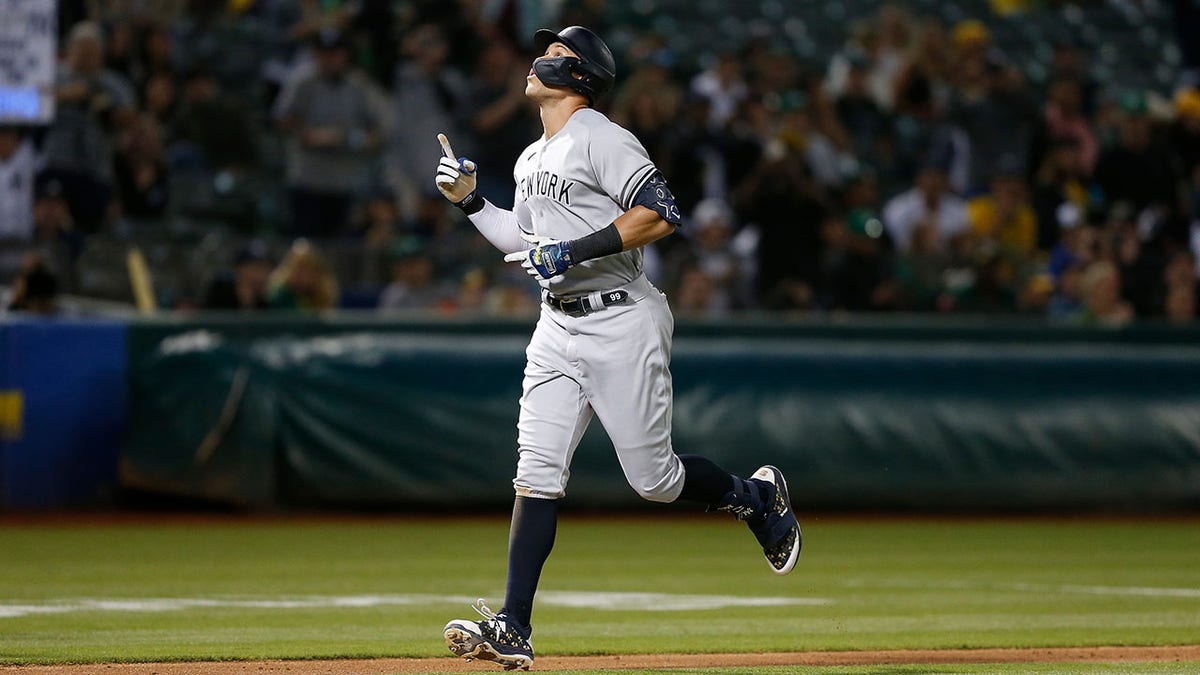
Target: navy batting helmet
592 74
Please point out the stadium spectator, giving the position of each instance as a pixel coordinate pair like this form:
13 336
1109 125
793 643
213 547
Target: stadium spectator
1003 237
857 251
35 289
928 275
709 251
1181 304
694 157
916 137
503 121
924 84
894 38
18 165
1063 119
1126 241
372 29
120 50
378 227
413 285
970 41
1059 181
928 201
52 219
695 294
1180 284
157 55
510 296
723 85
245 286
730 154
158 11
160 98
1102 301
302 281
196 66
996 111
859 114
1066 304
211 129
876 46
787 207
648 103
1137 170
142 178
431 97
1186 20
805 128
334 130
1076 243
1070 62
92 103
1185 136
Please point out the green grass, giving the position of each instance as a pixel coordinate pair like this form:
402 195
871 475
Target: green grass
890 585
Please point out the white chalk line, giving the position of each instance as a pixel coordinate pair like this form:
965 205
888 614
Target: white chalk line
575 599
1145 591
1084 589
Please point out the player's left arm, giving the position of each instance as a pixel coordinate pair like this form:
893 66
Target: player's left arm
652 216
640 226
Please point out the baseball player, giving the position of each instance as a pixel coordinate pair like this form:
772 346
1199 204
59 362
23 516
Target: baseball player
588 198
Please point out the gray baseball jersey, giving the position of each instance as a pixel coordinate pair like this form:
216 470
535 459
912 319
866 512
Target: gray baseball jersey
614 362
577 182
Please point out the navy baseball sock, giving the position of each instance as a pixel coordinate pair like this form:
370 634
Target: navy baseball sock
530 539
704 481
709 484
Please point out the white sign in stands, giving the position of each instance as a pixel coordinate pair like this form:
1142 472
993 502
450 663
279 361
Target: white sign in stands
27 60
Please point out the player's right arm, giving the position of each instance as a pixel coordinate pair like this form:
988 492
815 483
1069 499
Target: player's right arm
456 181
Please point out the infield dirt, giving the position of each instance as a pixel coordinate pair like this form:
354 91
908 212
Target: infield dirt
636 661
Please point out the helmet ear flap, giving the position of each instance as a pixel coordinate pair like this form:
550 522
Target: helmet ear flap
559 71
594 78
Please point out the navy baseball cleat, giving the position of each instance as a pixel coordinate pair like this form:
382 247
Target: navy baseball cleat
496 638
779 532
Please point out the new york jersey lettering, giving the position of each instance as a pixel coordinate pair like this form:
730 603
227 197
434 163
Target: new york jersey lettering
547 184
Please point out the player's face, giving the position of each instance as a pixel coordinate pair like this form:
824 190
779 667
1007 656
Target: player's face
533 86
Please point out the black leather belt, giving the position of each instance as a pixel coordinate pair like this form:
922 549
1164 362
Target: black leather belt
582 305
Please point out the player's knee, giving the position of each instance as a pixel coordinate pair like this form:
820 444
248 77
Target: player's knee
664 491
658 497
544 485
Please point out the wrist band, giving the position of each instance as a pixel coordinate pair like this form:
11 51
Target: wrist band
473 203
597 244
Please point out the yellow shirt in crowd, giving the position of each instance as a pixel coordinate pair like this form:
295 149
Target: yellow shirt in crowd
1017 234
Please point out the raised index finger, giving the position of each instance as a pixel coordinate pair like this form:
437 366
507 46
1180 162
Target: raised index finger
446 149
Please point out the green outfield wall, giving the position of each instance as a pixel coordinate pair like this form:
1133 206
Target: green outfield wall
863 415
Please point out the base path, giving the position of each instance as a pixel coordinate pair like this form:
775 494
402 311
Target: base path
636 661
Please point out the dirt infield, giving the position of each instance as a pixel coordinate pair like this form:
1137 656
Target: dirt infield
629 662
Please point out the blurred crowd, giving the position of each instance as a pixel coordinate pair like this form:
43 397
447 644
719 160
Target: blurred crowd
916 169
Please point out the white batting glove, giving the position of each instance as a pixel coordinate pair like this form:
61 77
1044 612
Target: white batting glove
548 258
455 177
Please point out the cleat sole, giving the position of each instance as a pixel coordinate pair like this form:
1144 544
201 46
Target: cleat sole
471 647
